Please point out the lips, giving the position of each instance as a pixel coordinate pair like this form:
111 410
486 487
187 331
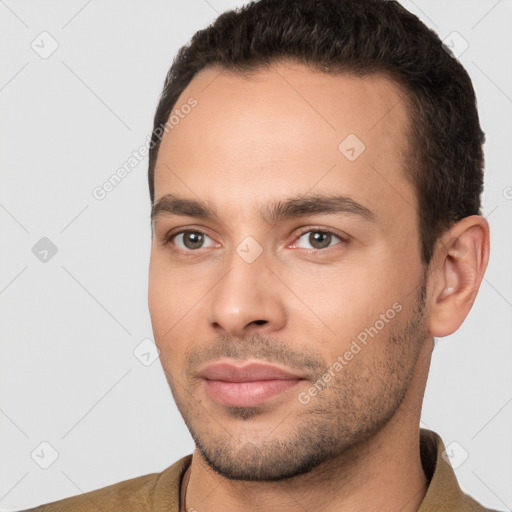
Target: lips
248 384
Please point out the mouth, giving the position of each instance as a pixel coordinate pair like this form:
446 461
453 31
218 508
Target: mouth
247 384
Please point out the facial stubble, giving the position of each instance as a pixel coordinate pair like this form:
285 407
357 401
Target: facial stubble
353 408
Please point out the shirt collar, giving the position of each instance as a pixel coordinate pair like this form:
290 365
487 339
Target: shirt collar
443 492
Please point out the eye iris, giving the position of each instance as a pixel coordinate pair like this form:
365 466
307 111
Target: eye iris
317 237
193 240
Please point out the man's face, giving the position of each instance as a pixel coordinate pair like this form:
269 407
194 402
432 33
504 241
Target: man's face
252 310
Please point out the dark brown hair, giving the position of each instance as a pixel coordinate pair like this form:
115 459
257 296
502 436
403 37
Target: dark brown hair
444 158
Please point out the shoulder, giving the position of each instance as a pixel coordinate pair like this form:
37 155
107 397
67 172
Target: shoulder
142 493
444 492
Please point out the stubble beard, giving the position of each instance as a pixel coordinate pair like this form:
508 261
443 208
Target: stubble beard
352 409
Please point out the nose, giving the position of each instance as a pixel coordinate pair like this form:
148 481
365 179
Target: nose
248 299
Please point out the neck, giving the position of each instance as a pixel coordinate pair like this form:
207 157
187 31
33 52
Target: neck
383 473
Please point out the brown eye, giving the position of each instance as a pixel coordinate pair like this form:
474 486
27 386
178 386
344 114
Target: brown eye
188 240
193 239
317 240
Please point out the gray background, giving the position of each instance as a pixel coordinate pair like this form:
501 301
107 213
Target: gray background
69 326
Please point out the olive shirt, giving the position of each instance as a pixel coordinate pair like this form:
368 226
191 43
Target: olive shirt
160 492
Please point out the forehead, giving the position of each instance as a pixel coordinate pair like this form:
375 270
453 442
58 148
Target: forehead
287 130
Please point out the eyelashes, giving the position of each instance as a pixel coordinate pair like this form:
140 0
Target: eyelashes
200 237
330 235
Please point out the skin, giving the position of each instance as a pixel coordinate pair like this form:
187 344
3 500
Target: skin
251 141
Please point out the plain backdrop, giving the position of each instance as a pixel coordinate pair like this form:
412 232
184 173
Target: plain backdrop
73 280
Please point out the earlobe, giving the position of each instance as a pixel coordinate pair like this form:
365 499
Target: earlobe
461 259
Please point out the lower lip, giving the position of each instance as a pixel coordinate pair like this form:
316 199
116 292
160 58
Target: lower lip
247 394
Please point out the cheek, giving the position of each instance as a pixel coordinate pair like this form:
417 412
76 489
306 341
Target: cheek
168 284
173 302
162 308
347 303
166 299
158 283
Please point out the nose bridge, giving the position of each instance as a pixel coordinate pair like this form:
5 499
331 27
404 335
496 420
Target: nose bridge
247 296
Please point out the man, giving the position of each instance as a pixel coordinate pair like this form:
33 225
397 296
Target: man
315 178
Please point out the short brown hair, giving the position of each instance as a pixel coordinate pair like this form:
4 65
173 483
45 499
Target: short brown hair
445 155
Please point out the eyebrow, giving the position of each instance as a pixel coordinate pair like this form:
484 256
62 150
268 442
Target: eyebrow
300 206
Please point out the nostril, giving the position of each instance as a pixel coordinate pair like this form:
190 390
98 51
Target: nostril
260 322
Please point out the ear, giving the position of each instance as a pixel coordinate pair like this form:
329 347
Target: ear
461 257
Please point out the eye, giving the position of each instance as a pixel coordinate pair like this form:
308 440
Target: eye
188 240
318 239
